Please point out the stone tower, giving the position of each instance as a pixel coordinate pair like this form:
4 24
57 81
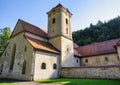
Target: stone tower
59 33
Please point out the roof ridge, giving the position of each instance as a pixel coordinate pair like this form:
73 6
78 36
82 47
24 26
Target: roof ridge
31 24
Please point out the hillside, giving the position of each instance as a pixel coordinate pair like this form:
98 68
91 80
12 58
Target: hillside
99 32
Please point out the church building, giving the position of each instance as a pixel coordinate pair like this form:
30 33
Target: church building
34 53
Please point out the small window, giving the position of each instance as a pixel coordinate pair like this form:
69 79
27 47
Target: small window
77 60
54 66
53 20
24 67
118 57
43 66
1 69
12 57
106 58
53 31
67 49
86 60
25 49
66 21
66 30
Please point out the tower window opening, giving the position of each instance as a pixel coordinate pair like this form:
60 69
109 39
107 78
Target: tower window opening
66 30
66 21
53 21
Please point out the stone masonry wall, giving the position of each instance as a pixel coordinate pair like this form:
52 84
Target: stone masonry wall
21 55
101 72
101 60
49 59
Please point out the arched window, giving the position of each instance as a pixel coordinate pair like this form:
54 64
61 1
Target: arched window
53 21
1 69
43 66
24 67
25 49
66 21
77 60
66 30
54 66
12 57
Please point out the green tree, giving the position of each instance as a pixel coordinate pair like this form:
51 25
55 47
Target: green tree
100 32
4 38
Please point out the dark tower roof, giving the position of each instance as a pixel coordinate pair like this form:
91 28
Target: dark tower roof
60 5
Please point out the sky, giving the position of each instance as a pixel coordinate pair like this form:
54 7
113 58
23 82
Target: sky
34 11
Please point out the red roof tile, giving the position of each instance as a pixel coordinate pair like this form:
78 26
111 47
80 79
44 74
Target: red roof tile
41 45
33 29
76 53
98 48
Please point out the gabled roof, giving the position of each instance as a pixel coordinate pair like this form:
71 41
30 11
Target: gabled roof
33 29
98 48
27 27
45 46
41 45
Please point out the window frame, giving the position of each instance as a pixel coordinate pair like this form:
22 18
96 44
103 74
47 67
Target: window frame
53 20
43 65
66 21
54 66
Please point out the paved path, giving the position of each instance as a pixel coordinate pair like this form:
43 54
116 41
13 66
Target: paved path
36 83
26 82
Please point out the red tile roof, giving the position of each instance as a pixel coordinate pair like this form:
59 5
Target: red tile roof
98 48
41 45
76 53
33 29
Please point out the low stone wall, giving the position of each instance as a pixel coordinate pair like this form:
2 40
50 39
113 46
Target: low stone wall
100 72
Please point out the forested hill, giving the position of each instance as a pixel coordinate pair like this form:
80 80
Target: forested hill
99 32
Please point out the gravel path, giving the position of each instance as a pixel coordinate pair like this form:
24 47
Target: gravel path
36 83
26 82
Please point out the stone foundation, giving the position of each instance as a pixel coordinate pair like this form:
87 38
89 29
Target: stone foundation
101 72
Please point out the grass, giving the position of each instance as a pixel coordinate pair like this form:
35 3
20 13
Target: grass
81 81
8 84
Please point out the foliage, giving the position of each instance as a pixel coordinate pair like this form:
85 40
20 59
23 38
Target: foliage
99 32
4 38
82 81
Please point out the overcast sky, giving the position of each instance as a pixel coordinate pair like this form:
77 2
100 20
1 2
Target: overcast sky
34 11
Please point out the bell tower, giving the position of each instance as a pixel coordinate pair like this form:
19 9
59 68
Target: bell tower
59 33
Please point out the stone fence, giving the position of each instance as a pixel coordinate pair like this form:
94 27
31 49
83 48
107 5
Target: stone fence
100 72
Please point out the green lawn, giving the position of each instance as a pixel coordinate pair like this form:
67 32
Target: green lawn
82 81
7 83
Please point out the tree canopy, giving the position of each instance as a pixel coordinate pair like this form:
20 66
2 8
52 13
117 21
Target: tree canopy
99 32
4 38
